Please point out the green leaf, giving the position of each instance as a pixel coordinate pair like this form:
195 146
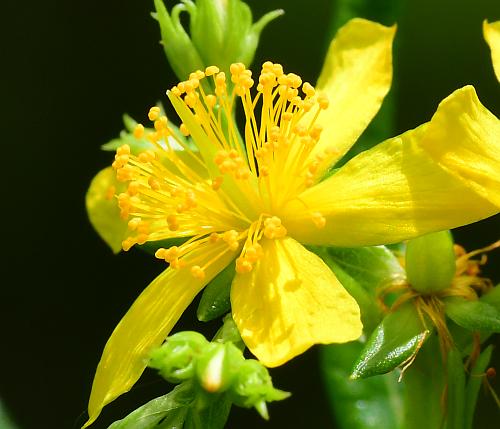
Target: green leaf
456 390
208 412
393 343
380 396
492 297
473 385
172 408
371 267
103 211
430 262
215 300
473 315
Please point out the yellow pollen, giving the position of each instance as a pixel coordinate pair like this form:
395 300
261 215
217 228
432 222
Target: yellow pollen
231 238
134 223
273 228
139 131
154 113
318 219
211 70
197 272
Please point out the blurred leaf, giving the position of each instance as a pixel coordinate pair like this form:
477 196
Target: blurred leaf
371 403
102 208
215 300
5 420
371 267
212 414
456 390
473 385
165 412
492 297
473 315
393 343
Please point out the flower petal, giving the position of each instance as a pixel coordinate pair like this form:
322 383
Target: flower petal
290 301
491 32
464 138
102 208
356 77
395 191
147 324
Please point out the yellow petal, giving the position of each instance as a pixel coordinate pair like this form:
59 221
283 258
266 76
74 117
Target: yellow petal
356 77
491 33
388 194
290 301
464 139
103 210
147 323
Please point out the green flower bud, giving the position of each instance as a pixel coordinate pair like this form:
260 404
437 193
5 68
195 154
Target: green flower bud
176 358
218 366
430 262
222 33
253 387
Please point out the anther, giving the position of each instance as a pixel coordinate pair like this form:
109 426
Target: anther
173 223
139 131
197 272
323 101
211 70
318 219
154 113
184 130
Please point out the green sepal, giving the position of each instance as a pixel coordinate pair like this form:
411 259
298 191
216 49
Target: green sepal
103 212
215 300
170 409
456 390
208 411
430 262
473 315
228 332
380 396
473 385
394 342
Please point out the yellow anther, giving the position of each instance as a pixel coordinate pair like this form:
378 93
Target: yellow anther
161 123
154 183
198 75
313 167
160 253
123 150
295 80
300 130
273 228
189 86
143 227
176 91
139 131
147 156
253 253
242 173
318 219
182 87
287 116
277 69
243 265
173 222
191 199
231 238
308 89
220 79
323 101
263 171
134 223
217 183
171 254
236 68
211 100
110 193
307 105
315 131
197 272
191 98
184 130
214 237
194 83
142 238
154 113
221 156
133 188
127 244
211 70
124 174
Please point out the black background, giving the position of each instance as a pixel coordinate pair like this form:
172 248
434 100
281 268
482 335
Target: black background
69 71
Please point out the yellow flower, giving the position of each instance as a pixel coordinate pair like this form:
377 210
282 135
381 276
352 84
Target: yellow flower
255 200
491 33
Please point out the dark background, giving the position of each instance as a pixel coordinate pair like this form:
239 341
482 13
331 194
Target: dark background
69 71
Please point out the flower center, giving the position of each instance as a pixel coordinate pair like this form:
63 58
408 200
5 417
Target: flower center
230 187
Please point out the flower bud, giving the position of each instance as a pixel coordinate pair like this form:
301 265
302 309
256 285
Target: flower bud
430 262
218 366
253 387
222 33
176 358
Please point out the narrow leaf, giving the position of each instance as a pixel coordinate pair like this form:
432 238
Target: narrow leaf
473 315
215 300
456 391
393 343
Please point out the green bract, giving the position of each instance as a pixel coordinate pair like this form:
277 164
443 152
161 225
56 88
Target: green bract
222 32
